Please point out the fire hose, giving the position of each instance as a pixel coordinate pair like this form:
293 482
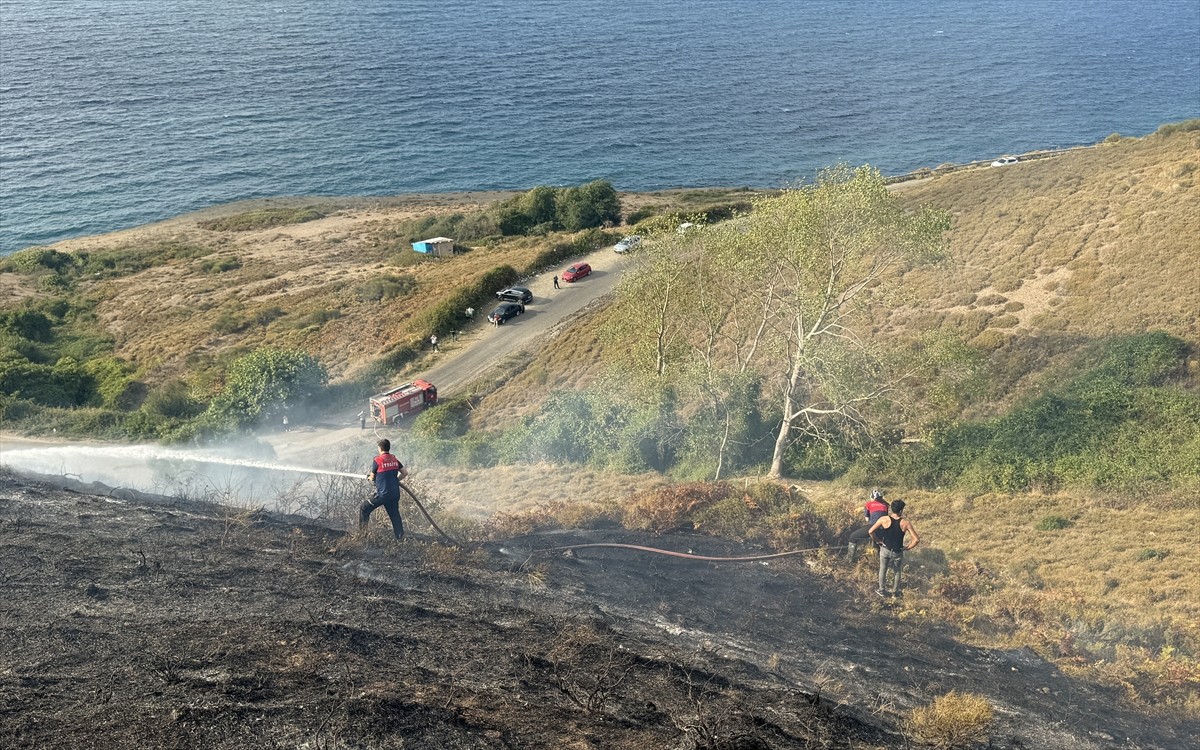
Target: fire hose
618 545
428 517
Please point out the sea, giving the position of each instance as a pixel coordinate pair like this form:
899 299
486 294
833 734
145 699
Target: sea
115 113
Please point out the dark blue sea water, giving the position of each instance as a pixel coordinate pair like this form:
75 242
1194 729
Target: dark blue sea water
115 112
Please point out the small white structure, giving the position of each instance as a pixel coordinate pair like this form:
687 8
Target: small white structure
439 247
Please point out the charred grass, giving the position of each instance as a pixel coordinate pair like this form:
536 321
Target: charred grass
1097 586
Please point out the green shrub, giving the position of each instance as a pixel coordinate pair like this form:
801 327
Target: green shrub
265 383
1121 422
1053 523
475 449
446 420
35 259
28 324
128 259
583 243
462 228
220 265
63 384
267 315
83 345
645 212
447 315
590 205
315 318
172 401
393 360
1171 128
544 209
386 287
1152 554
227 322
113 383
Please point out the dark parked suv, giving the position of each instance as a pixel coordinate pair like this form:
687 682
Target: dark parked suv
506 311
515 294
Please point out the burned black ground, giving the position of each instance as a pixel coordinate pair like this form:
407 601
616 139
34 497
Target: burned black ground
134 623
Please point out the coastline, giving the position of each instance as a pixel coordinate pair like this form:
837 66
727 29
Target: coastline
402 205
413 203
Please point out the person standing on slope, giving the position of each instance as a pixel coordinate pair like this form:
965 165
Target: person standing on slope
386 472
875 509
888 532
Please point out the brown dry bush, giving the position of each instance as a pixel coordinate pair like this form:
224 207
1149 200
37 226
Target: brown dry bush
954 720
505 525
668 508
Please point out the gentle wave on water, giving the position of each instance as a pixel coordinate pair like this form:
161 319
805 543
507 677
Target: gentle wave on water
118 113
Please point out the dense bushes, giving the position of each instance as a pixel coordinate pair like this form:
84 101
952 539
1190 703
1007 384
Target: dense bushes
462 227
386 287
582 243
264 384
1120 423
56 271
545 209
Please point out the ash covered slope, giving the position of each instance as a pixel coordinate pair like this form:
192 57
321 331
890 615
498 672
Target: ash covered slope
132 624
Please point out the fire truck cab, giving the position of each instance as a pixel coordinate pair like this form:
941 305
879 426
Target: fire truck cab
391 406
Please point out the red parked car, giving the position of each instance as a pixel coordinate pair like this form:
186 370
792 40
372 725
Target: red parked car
576 272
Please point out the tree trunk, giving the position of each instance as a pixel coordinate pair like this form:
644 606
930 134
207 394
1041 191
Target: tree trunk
781 440
789 416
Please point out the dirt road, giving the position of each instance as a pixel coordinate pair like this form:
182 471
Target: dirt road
477 349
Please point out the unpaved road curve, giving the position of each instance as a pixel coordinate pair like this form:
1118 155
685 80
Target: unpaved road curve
483 345
478 348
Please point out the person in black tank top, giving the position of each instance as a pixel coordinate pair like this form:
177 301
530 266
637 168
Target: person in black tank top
889 532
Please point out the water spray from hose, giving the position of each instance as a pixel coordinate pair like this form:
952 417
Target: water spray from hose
145 453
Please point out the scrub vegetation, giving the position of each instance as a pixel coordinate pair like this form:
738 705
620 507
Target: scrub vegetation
262 219
1016 347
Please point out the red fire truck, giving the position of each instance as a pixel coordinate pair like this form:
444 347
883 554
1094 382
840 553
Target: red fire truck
391 406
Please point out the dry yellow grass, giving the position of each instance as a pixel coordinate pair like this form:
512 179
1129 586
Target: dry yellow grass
1046 255
1108 596
954 720
1054 252
296 285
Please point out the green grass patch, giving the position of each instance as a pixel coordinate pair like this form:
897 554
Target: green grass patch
1053 523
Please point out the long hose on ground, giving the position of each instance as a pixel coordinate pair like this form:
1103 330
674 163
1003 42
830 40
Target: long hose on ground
617 545
687 555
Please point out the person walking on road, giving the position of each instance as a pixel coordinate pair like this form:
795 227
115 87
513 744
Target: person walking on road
386 472
888 532
286 427
556 282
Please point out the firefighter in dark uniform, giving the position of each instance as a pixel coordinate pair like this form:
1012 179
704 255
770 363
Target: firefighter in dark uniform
386 472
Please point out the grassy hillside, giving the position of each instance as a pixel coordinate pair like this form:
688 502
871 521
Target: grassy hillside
1050 254
337 280
1045 256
